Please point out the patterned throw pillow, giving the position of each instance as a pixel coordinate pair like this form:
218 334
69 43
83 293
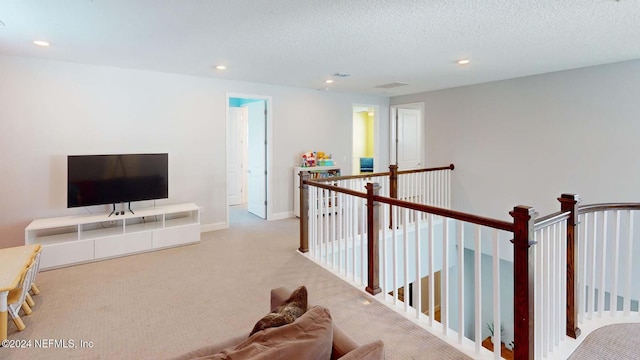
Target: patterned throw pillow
288 312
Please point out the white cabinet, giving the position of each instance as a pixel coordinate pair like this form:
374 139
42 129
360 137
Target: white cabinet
316 172
83 238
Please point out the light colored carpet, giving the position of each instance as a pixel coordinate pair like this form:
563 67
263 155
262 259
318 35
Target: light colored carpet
161 304
612 342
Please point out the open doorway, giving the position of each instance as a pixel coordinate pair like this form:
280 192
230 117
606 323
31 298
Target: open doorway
365 149
248 128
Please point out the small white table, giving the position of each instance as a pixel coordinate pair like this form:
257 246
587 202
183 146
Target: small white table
13 262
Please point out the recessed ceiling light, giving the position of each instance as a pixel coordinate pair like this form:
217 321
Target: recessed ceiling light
329 81
221 67
463 61
41 43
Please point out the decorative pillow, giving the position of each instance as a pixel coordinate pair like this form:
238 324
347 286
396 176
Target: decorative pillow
370 351
286 313
307 338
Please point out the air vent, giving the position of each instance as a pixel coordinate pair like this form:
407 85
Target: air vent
342 75
391 85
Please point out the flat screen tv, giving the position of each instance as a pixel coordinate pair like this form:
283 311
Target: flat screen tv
113 179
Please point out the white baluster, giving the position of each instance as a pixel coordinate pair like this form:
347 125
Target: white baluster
444 303
478 288
417 291
539 276
603 259
460 268
548 260
354 233
592 266
613 303
363 242
405 256
581 266
384 214
431 257
497 336
553 283
394 253
627 292
562 244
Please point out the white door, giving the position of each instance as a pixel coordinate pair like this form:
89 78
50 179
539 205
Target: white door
237 142
406 142
257 161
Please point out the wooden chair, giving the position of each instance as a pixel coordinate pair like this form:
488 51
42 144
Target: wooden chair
34 289
16 298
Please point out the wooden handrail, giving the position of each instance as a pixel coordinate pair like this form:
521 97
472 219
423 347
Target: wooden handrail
584 209
350 177
387 173
450 167
474 219
336 188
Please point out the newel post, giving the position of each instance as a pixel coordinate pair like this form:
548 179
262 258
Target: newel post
393 189
569 202
373 258
304 212
523 278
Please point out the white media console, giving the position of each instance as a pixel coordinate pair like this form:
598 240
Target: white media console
83 238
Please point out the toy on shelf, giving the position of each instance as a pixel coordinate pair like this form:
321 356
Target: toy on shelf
316 158
308 159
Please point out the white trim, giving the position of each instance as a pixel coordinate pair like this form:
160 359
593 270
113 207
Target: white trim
282 215
269 164
376 135
214 226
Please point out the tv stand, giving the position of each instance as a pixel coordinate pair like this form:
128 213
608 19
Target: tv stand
79 239
112 211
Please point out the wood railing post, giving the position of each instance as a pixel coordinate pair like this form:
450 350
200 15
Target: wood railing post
373 258
304 212
523 278
393 190
569 202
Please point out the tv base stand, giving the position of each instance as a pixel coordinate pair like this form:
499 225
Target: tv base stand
84 238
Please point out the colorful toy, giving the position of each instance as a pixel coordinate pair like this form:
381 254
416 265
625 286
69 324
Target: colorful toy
309 159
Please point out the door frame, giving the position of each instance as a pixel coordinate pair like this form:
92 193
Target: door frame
392 130
269 149
376 134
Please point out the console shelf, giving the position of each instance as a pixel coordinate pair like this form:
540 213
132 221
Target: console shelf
77 239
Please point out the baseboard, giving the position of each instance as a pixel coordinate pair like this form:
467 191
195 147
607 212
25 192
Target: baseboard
282 215
214 227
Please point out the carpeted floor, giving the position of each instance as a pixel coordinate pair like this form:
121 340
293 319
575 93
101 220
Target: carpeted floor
161 304
612 342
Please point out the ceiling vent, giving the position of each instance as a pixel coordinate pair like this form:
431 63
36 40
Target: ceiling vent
391 85
342 75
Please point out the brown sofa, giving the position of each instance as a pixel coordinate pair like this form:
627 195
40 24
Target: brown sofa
311 336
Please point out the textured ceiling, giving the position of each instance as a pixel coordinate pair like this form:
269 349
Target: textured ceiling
303 42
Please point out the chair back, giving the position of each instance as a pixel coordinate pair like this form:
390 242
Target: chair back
36 261
26 282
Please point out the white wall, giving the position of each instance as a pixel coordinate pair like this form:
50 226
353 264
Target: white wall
50 109
527 140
